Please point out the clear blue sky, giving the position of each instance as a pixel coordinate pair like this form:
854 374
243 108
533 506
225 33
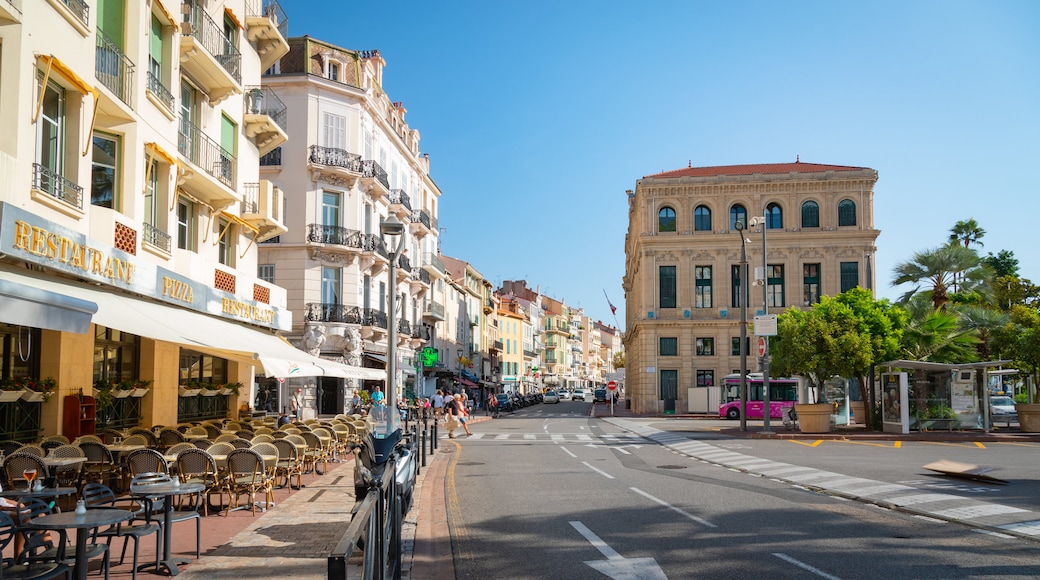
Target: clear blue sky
539 115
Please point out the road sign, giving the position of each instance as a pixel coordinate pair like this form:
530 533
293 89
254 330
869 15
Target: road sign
761 346
612 386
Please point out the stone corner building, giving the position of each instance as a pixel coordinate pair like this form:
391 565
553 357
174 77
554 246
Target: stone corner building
682 264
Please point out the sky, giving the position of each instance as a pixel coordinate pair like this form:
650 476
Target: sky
538 115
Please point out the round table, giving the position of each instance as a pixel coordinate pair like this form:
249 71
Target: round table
81 523
166 490
42 493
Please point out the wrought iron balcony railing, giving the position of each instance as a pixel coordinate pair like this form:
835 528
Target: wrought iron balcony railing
207 154
157 238
53 184
399 197
326 312
80 8
404 263
113 68
340 236
422 276
272 10
421 331
370 168
332 157
211 37
404 328
272 157
250 198
421 216
264 101
159 90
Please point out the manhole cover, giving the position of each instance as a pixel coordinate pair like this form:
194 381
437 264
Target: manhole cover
671 467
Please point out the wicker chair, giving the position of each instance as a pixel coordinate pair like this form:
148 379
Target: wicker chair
100 467
98 496
149 437
289 464
262 431
247 475
177 448
197 431
240 443
170 437
146 461
269 450
32 448
68 475
196 466
261 438
17 463
316 453
212 431
202 443
10 446
225 438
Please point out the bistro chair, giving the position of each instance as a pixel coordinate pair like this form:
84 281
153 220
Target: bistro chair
136 439
176 449
145 461
316 453
9 446
240 443
32 448
170 437
18 567
196 466
244 434
110 436
262 431
268 450
202 443
17 463
225 438
261 438
212 431
196 431
246 474
100 496
30 508
100 467
153 506
68 475
149 437
288 465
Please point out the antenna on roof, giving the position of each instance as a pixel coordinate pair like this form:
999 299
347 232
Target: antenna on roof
689 163
797 158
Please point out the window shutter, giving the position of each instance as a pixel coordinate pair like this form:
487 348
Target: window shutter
155 45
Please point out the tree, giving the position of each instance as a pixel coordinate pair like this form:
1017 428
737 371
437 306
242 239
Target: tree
941 268
619 360
1003 264
1010 290
1019 340
984 321
938 336
967 232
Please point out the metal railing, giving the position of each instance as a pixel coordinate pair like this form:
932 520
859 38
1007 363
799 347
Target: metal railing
341 236
330 156
207 154
404 328
113 68
421 331
421 275
272 157
404 263
156 237
370 168
421 216
53 184
263 100
326 312
400 197
272 10
159 90
211 37
434 309
80 8
250 198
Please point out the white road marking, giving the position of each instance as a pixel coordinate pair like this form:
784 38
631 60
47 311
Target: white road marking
805 566
679 511
599 471
568 452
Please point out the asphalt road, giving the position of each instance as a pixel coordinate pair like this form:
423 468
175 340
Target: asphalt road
548 492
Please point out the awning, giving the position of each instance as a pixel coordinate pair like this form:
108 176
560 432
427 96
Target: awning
198 331
30 306
467 382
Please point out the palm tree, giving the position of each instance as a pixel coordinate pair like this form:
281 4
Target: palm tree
967 232
984 321
939 268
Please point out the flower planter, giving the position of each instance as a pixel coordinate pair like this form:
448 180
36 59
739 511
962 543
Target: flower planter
1028 417
210 392
185 392
10 396
120 393
32 396
859 413
138 393
815 417
226 392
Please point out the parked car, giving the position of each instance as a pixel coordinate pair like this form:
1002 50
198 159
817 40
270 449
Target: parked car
564 395
599 395
579 394
550 397
1002 408
505 403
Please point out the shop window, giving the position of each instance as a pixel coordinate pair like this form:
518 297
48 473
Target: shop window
116 354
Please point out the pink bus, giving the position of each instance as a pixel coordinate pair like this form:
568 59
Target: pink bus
783 394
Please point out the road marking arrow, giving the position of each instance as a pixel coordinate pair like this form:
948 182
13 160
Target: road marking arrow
617 566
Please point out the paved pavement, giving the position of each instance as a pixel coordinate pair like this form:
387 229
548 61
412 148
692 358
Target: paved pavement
293 538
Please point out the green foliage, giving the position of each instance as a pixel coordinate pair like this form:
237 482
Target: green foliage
1021 398
619 360
938 336
967 232
1011 290
1003 264
1019 340
939 270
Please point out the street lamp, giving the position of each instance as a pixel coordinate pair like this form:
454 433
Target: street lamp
767 411
742 295
392 230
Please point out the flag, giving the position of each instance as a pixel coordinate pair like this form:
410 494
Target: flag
613 309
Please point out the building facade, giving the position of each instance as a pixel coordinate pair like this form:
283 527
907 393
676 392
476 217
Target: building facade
682 266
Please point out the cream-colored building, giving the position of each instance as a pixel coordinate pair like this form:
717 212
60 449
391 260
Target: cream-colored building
132 206
351 161
682 257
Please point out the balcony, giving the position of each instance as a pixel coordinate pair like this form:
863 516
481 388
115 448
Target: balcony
433 265
344 245
212 174
334 166
419 282
209 57
161 93
433 312
421 332
374 179
272 158
400 203
263 118
262 208
156 238
267 28
57 187
10 11
421 223
116 72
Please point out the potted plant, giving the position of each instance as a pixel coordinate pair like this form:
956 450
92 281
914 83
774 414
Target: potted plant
122 389
140 388
210 390
103 397
37 390
230 389
192 389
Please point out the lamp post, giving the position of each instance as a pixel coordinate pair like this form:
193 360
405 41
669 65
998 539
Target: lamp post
767 410
392 230
742 295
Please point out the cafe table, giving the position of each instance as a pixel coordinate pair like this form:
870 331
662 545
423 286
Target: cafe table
166 490
19 492
81 523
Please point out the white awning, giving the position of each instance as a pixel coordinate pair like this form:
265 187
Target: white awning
28 305
198 331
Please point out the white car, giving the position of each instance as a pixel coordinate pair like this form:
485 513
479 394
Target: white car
550 397
564 395
578 394
1002 408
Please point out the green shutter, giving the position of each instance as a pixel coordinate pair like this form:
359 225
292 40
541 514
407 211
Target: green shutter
155 45
110 17
227 134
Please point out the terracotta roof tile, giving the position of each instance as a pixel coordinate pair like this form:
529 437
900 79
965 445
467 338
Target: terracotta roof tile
796 167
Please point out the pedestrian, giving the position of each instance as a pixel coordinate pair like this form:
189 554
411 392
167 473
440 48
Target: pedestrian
463 412
451 421
264 401
296 403
355 403
438 403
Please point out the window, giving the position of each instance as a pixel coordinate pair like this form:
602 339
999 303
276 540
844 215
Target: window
330 285
186 224
702 291
334 133
49 173
103 173
666 282
702 219
666 220
228 147
188 139
669 384
735 345
265 272
810 284
230 35
115 354
151 194
705 347
330 203
737 214
668 346
849 275
18 359
775 285
735 294
846 212
158 82
202 368
226 243
810 214
333 71
705 378
774 217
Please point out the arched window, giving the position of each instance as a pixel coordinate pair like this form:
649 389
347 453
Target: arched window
810 214
702 219
774 217
737 213
666 220
846 212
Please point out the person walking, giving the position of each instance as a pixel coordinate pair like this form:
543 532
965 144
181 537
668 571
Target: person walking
297 404
451 419
438 403
463 412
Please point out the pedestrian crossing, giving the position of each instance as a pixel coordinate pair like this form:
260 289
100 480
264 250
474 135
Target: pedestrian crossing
561 438
989 516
